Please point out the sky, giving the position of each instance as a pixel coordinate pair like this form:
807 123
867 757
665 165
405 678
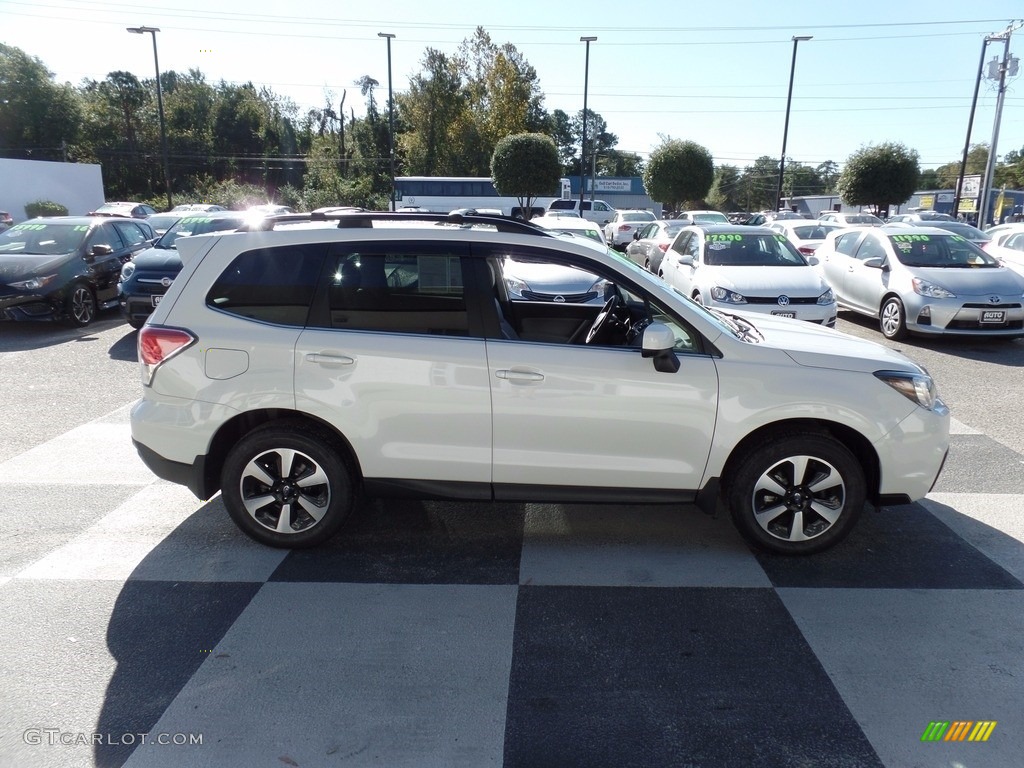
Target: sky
713 73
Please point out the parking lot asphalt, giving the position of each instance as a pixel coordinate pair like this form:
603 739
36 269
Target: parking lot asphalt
466 634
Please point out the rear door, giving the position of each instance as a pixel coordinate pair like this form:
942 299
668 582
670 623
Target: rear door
392 357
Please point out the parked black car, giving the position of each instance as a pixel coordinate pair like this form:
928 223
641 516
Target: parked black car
66 267
146 279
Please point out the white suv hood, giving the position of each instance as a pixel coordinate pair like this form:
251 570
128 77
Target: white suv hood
819 347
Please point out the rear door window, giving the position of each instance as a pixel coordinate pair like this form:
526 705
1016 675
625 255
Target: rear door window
403 288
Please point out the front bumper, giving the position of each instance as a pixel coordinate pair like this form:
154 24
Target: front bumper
967 317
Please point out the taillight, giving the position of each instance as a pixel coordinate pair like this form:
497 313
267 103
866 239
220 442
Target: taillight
158 345
624 227
806 250
663 247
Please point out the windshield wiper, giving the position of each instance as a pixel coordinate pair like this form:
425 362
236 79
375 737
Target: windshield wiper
742 328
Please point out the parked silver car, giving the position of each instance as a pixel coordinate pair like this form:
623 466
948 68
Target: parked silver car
925 280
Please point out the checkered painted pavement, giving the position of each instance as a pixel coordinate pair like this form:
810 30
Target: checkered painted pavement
464 634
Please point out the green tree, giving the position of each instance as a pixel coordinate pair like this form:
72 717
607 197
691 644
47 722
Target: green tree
526 165
759 184
431 107
879 176
929 179
678 171
828 172
616 163
949 173
799 179
725 194
38 117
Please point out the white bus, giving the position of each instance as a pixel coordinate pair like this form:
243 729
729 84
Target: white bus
443 194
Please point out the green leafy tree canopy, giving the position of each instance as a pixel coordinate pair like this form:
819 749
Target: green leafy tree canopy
879 176
678 171
526 165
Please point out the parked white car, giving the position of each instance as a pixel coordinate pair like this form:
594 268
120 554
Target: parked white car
851 219
599 211
624 224
805 235
1007 245
572 225
752 269
293 369
923 280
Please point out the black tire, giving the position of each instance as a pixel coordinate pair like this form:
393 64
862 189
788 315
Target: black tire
315 482
135 323
892 319
819 488
80 306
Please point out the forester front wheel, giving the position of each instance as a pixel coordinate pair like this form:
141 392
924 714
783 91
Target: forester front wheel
796 495
287 486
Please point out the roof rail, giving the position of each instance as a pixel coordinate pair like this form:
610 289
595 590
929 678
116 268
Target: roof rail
354 219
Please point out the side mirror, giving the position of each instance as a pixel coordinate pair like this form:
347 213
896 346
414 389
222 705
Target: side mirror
876 262
813 261
685 259
658 342
101 250
636 235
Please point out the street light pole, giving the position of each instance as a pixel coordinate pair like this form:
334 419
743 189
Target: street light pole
785 129
986 181
583 144
391 119
160 106
970 123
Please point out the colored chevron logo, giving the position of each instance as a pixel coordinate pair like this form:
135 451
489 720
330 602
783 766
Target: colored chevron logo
958 730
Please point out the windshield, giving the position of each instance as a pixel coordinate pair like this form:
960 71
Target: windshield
945 251
199 225
639 216
42 239
755 250
965 230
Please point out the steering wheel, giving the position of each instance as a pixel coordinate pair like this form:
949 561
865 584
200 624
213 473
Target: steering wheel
601 321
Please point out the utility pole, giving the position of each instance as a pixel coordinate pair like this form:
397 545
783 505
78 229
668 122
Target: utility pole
1004 66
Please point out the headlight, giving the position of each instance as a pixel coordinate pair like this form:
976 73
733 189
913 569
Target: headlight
931 290
127 271
827 297
916 387
34 284
725 295
516 287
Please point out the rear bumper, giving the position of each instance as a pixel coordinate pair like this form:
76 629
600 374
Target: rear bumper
192 476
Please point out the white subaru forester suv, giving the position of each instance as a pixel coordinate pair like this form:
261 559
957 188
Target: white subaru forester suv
293 367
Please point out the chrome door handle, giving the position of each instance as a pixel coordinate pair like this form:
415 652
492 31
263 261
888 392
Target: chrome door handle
314 357
519 375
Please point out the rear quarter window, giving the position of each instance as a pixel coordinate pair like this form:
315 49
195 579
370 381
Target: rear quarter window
273 285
